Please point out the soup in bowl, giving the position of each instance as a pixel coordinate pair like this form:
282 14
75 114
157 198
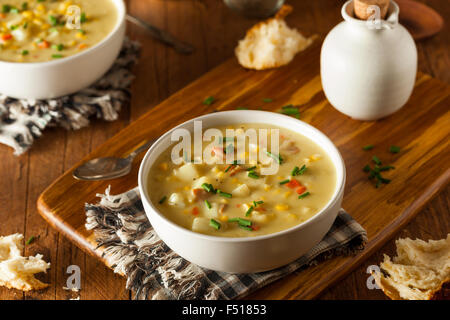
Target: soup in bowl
228 203
54 48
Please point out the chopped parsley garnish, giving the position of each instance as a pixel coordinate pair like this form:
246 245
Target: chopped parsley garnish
208 187
208 101
208 205
25 52
284 181
290 110
368 147
59 47
303 195
267 100
53 20
249 211
297 172
6 8
30 240
376 160
224 194
394 149
213 223
83 18
162 200
278 158
57 56
253 175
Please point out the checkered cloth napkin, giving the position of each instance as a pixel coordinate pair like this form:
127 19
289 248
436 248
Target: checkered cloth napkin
154 271
22 121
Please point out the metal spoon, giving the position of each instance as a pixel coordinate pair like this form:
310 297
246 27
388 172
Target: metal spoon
109 167
162 35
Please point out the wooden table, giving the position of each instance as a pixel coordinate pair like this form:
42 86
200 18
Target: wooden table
213 30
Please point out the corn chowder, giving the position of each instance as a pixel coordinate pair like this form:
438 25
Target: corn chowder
45 30
236 200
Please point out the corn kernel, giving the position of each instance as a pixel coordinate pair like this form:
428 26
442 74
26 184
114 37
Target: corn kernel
28 14
267 187
79 35
187 188
292 216
37 21
315 157
224 201
281 207
220 174
223 218
235 180
40 8
164 166
287 194
277 191
45 26
215 170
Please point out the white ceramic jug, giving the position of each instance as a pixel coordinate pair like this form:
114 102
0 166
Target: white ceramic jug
368 71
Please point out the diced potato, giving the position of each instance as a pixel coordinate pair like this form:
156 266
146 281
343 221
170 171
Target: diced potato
176 200
213 212
262 217
198 182
241 191
201 225
187 172
281 207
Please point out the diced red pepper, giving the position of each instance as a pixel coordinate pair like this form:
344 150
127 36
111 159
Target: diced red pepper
293 184
255 228
6 36
195 211
238 205
300 189
43 44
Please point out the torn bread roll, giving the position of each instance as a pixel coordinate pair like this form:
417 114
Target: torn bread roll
16 271
271 43
362 11
420 271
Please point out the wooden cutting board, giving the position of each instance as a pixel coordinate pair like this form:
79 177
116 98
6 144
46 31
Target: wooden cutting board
421 128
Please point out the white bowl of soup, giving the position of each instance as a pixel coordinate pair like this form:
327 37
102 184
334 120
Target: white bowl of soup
55 48
248 214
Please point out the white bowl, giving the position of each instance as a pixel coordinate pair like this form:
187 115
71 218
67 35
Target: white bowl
254 254
45 80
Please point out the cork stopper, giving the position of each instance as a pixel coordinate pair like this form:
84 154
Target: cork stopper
360 8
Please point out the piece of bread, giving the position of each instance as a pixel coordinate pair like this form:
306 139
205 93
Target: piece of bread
271 43
17 271
420 271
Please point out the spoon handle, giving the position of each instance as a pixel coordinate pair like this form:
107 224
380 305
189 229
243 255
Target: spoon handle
142 148
162 35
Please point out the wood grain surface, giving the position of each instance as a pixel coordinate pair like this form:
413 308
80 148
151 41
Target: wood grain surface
213 30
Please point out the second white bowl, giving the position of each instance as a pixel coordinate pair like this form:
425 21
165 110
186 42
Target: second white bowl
46 80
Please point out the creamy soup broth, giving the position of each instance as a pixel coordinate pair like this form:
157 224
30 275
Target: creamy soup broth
37 31
248 203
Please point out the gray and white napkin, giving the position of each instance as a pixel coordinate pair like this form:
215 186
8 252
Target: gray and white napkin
23 121
154 271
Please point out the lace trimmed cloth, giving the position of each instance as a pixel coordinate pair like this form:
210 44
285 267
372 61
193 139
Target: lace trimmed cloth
22 121
154 271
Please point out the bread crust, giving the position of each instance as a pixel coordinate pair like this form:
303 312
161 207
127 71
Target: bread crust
419 272
245 51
